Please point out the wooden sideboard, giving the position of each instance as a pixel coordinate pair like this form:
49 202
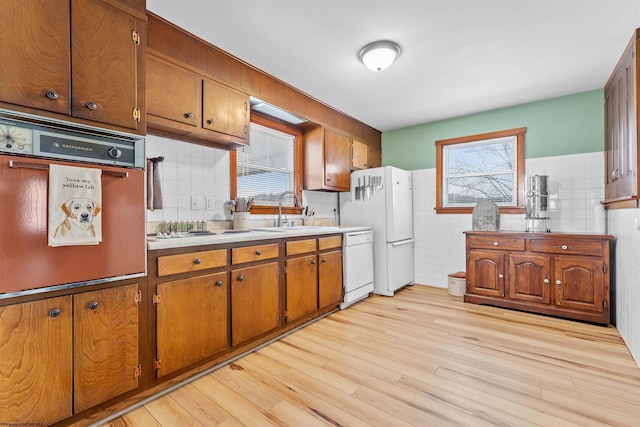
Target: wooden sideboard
564 275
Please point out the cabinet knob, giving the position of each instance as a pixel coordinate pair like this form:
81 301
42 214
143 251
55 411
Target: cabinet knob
197 261
240 278
501 276
546 281
92 105
219 283
564 247
52 94
54 313
210 121
324 260
312 262
188 115
258 253
93 305
495 243
558 282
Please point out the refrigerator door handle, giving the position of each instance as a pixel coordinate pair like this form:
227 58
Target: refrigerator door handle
402 243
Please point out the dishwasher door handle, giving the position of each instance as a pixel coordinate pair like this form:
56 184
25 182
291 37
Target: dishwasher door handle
404 242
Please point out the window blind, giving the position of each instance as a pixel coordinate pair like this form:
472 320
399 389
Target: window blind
265 168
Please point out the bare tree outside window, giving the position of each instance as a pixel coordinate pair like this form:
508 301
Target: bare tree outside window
480 167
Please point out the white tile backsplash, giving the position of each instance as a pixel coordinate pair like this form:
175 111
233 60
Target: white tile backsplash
575 187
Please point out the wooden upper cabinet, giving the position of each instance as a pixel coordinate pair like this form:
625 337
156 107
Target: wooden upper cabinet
225 110
174 95
105 55
186 105
36 55
327 160
37 366
359 155
79 58
622 131
374 157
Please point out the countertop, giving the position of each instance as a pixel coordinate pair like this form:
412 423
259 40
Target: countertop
217 237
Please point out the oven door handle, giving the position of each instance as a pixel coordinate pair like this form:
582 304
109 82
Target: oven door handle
15 165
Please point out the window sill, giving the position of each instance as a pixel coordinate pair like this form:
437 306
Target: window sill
468 210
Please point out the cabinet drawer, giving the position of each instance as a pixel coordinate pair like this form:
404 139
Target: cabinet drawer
329 242
254 253
568 246
496 242
301 246
193 261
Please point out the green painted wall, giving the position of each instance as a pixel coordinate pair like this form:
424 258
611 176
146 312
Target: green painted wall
567 125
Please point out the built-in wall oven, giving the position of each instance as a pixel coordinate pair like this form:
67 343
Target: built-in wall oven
29 145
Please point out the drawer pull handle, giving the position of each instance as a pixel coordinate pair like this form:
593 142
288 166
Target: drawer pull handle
501 276
546 281
93 305
188 115
565 247
495 243
52 94
258 253
197 261
210 121
54 313
92 105
558 282
240 278
219 283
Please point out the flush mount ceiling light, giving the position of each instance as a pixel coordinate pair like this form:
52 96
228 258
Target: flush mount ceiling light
379 55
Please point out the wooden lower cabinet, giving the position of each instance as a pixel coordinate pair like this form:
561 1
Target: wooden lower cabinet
330 288
255 307
105 345
563 275
36 362
302 286
61 356
192 321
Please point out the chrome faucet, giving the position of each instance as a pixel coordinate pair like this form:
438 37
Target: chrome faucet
296 203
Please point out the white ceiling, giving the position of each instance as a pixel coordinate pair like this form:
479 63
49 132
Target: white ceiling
458 56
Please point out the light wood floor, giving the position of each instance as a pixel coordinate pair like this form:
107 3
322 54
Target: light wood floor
421 358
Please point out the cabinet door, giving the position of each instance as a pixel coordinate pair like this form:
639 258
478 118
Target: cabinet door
35 50
579 283
485 273
105 345
337 168
254 301
192 320
104 64
302 286
225 110
374 157
359 155
330 278
36 362
529 278
173 93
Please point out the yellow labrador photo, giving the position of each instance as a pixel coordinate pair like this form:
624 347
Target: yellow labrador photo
78 222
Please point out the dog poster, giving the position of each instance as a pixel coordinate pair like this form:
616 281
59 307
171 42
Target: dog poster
75 205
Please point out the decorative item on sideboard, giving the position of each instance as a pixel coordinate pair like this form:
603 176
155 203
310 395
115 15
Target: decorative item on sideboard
536 202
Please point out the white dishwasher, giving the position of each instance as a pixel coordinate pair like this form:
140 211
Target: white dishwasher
357 266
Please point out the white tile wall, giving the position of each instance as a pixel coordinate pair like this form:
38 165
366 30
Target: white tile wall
575 190
623 224
191 170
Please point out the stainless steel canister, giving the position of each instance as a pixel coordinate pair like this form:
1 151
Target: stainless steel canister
537 197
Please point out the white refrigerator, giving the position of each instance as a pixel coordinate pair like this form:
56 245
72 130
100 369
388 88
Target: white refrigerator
382 198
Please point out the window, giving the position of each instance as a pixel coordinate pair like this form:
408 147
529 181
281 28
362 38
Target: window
269 165
487 166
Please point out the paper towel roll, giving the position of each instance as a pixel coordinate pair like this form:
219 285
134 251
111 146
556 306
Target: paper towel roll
599 219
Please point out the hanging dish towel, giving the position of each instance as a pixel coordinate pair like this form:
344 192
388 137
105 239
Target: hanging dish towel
75 203
154 191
